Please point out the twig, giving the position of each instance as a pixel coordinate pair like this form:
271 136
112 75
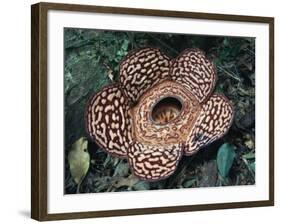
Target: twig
79 184
164 44
228 73
250 171
131 40
80 44
252 52
78 188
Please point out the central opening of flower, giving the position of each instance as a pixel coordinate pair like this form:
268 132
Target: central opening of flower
166 110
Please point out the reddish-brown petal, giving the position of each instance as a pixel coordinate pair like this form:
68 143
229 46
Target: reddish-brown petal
194 71
153 162
213 122
142 69
108 121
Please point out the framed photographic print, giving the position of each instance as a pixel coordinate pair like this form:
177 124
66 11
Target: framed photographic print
130 105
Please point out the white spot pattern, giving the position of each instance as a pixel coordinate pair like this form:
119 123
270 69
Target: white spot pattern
109 123
153 162
141 70
195 72
207 129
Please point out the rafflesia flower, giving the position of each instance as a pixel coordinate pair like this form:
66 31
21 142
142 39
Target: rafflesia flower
158 110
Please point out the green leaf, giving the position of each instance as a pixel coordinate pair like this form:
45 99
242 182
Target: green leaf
141 185
250 155
253 166
189 183
125 45
226 41
225 158
121 170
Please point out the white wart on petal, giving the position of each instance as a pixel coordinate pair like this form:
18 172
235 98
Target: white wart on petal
153 163
213 122
142 69
108 121
195 72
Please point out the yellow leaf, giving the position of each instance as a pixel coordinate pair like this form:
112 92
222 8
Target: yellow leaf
79 160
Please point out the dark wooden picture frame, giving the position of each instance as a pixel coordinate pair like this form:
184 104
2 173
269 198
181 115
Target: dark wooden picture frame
39 149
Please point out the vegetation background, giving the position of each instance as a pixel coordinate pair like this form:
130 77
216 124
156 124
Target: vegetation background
91 61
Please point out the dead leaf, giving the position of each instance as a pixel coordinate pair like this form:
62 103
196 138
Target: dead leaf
109 72
140 186
79 160
123 181
122 169
250 144
209 174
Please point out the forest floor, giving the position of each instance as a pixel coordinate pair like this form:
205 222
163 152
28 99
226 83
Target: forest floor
91 61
